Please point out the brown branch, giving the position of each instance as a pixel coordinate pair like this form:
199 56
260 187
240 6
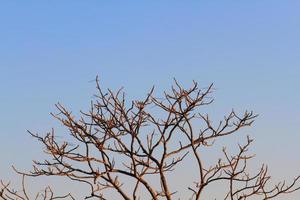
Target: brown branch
120 143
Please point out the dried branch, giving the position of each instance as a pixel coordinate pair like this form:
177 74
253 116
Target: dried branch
118 145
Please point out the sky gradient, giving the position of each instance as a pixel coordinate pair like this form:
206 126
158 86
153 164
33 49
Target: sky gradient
51 51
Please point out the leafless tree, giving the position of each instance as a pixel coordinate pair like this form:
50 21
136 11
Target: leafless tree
131 148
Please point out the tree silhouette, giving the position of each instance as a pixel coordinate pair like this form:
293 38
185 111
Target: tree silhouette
133 148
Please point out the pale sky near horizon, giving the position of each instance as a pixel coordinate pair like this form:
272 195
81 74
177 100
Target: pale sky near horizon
51 50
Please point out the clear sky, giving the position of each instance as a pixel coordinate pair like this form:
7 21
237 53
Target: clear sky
51 50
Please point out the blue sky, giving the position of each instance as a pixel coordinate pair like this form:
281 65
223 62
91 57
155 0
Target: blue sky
51 50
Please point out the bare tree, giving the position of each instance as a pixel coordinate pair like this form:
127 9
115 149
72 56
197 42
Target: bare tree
132 148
